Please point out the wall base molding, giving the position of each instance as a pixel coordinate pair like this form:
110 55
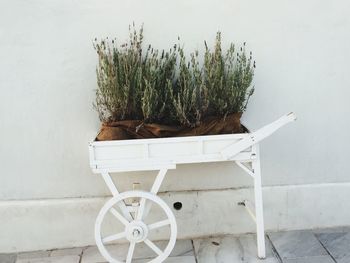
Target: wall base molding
69 222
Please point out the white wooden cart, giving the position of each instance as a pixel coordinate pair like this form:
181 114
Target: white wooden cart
161 155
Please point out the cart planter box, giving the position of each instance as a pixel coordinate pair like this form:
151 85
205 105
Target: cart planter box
163 154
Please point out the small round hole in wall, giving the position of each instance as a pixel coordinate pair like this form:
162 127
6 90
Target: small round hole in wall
177 205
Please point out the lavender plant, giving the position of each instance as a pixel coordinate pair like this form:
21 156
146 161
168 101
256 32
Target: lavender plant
190 95
228 78
167 87
132 84
119 78
158 75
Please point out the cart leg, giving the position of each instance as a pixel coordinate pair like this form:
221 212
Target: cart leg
260 232
109 182
154 190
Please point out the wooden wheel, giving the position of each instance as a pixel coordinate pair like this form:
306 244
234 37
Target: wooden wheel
135 228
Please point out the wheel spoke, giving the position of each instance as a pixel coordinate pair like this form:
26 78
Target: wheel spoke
130 252
148 207
125 211
119 216
113 237
153 247
159 224
141 209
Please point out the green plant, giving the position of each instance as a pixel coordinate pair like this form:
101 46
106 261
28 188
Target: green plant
131 84
119 78
190 95
228 78
168 88
158 74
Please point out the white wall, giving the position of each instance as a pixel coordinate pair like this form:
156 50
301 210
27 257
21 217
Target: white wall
47 82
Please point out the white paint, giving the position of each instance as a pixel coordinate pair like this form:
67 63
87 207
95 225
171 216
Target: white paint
104 158
47 80
71 221
143 230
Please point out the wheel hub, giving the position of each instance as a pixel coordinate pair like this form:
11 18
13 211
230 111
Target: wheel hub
136 231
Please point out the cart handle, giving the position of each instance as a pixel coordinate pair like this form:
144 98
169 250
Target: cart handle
257 136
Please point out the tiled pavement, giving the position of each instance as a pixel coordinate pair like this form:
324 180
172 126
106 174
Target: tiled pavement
319 246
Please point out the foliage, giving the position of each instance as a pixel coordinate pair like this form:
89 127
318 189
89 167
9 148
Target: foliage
228 78
166 87
190 96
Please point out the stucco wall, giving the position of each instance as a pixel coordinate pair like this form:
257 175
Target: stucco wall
47 82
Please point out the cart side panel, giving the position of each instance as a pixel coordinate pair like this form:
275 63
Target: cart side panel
120 152
124 155
173 149
211 147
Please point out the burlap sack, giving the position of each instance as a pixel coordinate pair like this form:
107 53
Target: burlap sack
134 129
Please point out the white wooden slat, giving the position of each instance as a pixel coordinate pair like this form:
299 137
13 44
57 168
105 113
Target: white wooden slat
113 237
153 246
130 252
114 212
245 168
159 224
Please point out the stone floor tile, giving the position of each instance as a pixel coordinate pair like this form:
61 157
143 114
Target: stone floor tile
317 259
63 259
182 248
342 229
337 244
92 255
182 259
66 252
7 258
212 250
231 249
296 244
249 244
33 254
